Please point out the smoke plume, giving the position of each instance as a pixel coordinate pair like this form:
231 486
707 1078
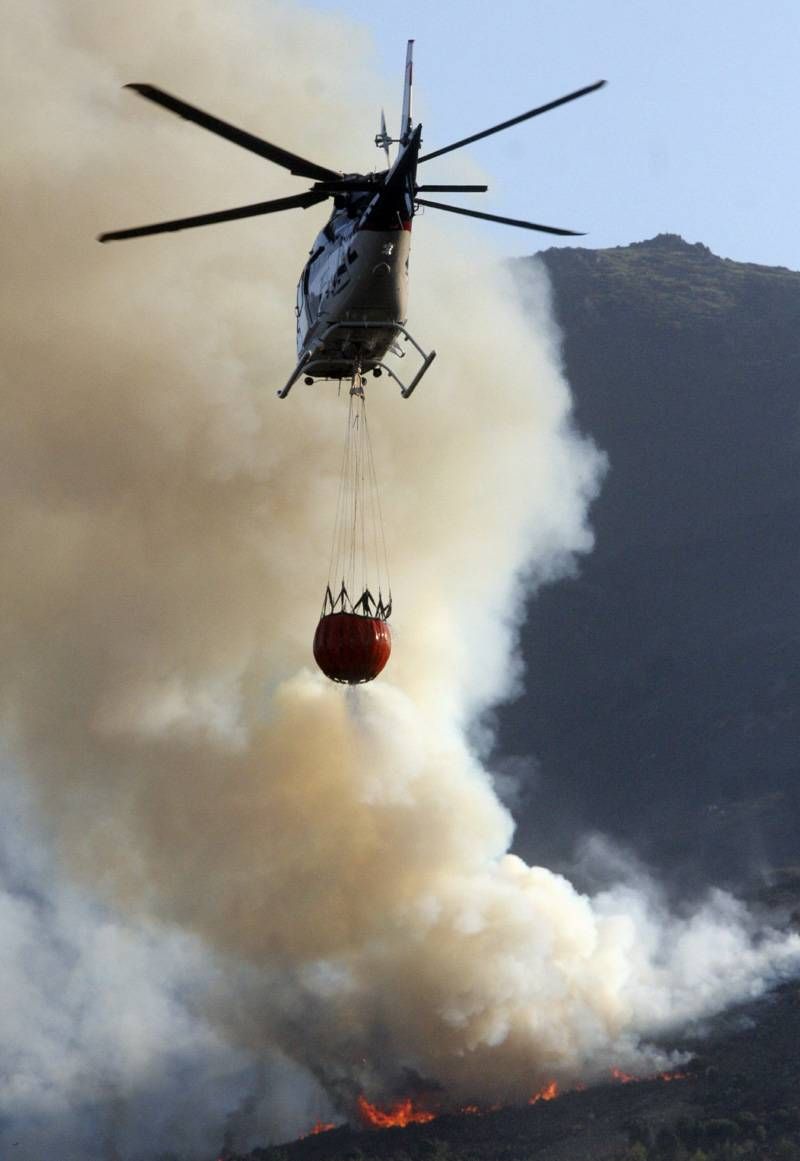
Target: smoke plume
298 872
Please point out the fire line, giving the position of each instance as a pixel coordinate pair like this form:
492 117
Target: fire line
402 1113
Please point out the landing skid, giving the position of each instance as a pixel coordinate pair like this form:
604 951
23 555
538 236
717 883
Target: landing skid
313 356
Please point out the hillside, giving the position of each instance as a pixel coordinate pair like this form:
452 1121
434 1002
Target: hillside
739 1098
663 683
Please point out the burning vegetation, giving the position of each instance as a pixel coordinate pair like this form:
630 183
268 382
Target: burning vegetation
401 1113
548 1093
406 1111
722 1113
627 1078
738 1099
319 1127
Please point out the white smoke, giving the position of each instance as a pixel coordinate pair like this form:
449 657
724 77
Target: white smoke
166 525
105 1050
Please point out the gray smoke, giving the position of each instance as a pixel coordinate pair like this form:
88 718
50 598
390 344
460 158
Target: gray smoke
264 866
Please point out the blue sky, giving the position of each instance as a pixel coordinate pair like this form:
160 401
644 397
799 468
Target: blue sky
696 133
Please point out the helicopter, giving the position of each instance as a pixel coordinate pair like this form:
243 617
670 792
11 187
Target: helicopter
353 290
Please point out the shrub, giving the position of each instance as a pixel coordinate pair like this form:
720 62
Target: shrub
719 1130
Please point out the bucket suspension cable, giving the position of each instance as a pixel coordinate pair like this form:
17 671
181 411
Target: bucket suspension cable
358 574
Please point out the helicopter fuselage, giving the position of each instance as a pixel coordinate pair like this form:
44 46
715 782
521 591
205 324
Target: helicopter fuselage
352 296
355 275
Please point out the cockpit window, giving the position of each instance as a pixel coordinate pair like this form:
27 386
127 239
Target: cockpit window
309 264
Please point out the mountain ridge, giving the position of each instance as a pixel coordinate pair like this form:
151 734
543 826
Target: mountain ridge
663 680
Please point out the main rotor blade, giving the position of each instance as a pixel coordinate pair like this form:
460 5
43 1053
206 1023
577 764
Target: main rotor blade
302 200
514 120
349 185
495 218
453 188
291 161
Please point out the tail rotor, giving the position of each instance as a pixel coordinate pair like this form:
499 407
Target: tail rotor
383 140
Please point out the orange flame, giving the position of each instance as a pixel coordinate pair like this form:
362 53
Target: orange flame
548 1093
320 1127
401 1113
626 1078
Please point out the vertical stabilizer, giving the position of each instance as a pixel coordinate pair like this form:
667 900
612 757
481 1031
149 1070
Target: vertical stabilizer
405 120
